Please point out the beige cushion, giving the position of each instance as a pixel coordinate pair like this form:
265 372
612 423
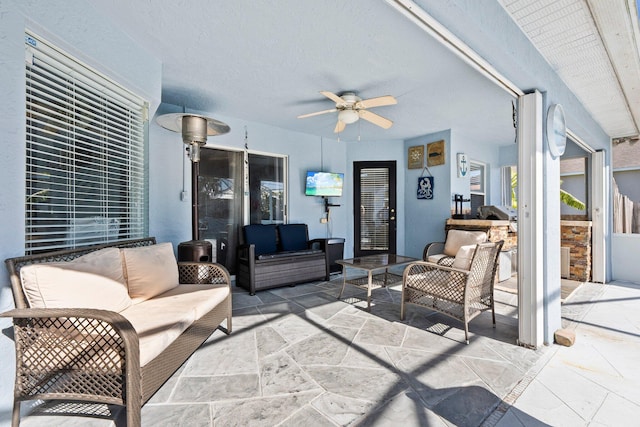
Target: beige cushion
435 258
150 270
160 320
94 280
464 257
457 238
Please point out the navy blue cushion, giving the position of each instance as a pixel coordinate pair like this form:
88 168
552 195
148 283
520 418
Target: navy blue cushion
293 237
263 236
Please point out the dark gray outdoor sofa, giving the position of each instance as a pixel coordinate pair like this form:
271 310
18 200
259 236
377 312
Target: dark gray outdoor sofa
279 255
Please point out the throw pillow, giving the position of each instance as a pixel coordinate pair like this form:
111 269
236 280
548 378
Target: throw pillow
262 236
94 280
293 237
464 257
457 238
150 270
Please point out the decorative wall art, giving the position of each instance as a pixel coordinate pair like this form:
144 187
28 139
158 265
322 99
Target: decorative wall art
425 186
435 153
463 165
415 157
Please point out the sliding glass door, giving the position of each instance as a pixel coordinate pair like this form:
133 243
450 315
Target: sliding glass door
267 195
224 205
220 202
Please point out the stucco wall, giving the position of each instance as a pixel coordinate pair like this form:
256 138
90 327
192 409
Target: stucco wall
77 28
170 218
425 219
624 255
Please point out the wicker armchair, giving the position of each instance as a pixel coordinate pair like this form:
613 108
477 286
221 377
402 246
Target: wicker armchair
443 253
458 293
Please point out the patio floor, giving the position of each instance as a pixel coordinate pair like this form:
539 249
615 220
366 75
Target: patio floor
298 356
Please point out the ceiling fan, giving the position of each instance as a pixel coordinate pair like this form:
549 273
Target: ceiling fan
351 107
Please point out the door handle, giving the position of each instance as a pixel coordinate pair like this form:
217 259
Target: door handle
393 218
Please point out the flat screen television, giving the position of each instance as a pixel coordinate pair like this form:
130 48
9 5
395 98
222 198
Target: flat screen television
326 184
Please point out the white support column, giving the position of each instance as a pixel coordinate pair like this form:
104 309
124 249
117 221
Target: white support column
599 216
530 220
552 281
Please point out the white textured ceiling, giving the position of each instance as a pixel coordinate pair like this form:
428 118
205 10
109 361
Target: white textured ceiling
593 46
266 62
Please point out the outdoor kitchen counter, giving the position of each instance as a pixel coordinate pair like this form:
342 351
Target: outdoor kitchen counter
496 229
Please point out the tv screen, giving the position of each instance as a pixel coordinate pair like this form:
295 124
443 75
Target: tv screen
326 184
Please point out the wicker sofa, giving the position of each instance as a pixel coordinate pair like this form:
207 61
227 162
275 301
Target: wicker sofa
110 323
279 255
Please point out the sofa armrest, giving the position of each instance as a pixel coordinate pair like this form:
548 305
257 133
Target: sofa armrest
67 351
318 244
209 273
433 248
246 252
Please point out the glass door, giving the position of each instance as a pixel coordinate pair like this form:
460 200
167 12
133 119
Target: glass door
375 220
267 189
220 202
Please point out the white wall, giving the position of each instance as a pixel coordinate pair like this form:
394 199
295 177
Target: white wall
624 256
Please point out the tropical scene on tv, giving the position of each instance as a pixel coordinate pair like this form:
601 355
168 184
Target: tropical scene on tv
324 184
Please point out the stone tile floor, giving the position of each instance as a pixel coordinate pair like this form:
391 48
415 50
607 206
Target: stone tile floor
298 356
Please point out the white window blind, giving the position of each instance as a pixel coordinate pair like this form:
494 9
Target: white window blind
85 142
374 203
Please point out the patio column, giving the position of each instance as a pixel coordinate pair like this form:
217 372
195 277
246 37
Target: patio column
530 220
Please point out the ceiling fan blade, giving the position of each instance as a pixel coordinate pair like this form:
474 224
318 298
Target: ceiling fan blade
375 119
339 127
317 113
332 96
380 101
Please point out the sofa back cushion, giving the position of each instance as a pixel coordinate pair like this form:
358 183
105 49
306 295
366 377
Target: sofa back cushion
293 237
458 238
150 270
262 236
94 280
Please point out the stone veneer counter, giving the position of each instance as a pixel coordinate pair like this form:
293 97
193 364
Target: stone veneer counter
576 235
496 230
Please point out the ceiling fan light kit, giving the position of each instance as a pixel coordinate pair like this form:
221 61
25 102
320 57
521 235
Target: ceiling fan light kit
351 108
348 116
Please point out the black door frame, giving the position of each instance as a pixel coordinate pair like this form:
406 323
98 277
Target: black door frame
392 216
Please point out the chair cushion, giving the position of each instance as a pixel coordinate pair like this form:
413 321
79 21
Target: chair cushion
464 257
160 320
94 280
150 270
457 238
293 237
262 236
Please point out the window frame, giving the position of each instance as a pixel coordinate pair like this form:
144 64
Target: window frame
86 168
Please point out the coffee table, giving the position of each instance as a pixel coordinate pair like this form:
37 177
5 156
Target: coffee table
370 264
